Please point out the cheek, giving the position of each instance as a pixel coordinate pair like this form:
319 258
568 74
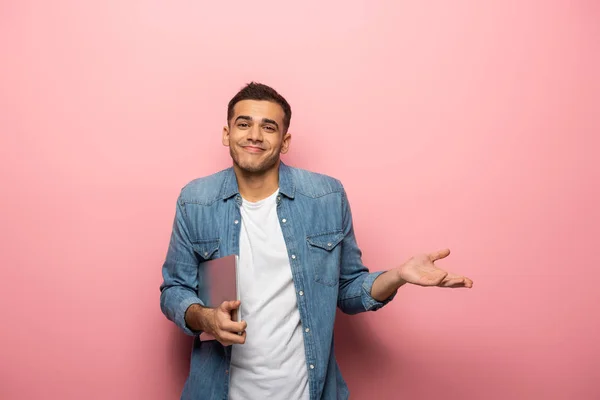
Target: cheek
274 143
237 139
234 135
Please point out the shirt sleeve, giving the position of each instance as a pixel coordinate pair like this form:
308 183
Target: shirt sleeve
179 288
355 279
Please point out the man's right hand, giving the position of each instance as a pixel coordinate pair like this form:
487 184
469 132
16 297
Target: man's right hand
217 322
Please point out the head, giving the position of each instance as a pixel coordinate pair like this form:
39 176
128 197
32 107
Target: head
256 133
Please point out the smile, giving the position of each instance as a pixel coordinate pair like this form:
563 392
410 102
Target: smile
252 149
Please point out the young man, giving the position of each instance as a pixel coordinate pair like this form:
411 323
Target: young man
299 261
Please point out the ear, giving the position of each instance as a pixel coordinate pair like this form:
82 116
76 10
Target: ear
285 144
226 136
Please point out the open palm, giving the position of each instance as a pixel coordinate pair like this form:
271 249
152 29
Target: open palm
421 270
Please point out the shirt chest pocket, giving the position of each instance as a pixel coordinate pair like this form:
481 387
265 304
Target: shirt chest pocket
324 256
207 249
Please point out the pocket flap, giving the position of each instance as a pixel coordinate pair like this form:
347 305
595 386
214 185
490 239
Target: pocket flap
206 248
327 240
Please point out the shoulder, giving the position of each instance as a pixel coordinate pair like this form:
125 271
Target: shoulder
204 190
314 184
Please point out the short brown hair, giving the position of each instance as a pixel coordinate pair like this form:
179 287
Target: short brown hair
258 91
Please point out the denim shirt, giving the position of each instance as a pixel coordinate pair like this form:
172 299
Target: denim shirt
326 264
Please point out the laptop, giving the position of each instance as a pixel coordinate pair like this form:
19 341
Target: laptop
218 282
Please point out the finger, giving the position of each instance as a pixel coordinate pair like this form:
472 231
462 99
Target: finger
228 338
231 326
452 283
457 282
468 283
229 306
434 278
440 278
438 255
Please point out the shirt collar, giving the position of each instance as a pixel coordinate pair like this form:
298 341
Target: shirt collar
286 182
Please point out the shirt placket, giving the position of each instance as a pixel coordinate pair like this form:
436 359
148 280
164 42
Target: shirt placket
286 223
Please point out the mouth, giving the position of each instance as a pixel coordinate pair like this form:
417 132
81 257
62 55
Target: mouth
253 149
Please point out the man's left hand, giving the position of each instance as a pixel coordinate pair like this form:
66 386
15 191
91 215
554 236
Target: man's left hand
421 270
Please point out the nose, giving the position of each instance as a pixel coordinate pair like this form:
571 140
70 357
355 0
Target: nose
255 133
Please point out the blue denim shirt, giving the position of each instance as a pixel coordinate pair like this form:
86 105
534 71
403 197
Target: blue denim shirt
327 270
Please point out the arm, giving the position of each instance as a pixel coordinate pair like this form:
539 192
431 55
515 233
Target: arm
196 317
357 289
361 291
180 275
179 300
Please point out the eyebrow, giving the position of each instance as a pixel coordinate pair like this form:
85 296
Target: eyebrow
264 120
244 117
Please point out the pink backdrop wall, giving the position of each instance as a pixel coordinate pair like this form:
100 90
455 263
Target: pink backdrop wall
467 124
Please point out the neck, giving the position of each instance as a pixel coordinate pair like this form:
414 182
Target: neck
257 186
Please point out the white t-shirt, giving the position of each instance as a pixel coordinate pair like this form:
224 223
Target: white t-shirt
272 363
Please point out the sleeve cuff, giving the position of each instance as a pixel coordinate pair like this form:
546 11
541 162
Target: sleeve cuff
180 314
369 302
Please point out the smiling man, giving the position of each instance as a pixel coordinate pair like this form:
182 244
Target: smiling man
299 262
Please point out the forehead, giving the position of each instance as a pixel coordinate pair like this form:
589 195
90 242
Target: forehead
258 109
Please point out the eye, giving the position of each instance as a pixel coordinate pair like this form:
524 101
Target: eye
269 128
243 125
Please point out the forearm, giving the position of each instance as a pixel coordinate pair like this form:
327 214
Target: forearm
386 285
357 289
196 317
175 302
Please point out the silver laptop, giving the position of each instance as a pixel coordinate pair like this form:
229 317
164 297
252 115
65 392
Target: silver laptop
218 282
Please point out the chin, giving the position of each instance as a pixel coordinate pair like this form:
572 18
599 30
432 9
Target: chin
251 168
255 167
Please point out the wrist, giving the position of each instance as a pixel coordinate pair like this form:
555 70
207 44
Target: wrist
398 280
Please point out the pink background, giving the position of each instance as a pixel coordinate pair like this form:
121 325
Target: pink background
467 124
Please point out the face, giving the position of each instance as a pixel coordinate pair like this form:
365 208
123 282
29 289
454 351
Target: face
255 135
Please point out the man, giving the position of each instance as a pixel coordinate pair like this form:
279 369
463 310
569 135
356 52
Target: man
299 261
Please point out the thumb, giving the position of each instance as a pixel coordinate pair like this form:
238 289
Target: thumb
438 255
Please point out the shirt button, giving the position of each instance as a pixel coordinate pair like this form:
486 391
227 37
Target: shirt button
236 222
301 293
284 220
328 244
205 253
307 330
293 256
312 366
